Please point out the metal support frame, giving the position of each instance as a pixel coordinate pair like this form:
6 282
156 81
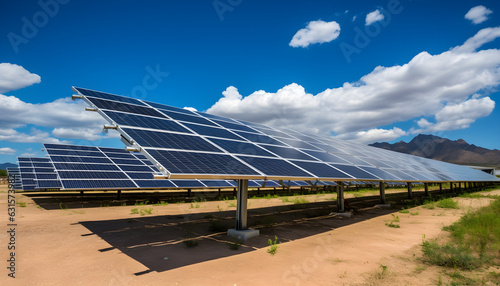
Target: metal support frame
440 188
382 192
340 197
119 195
241 205
410 191
426 189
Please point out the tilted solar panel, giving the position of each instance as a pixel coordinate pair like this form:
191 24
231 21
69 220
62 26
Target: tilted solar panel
94 168
186 144
15 178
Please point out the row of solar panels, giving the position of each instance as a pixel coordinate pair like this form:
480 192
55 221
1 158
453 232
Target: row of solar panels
188 144
71 167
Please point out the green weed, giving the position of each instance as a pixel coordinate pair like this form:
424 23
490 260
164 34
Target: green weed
22 205
146 211
273 246
63 206
448 203
134 211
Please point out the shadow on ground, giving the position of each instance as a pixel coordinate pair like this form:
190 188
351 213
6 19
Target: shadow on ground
158 242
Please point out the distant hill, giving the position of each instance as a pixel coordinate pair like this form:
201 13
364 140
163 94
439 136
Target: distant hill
437 148
4 166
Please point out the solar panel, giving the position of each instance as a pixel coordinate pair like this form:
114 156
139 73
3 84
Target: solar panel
38 174
16 175
214 147
93 168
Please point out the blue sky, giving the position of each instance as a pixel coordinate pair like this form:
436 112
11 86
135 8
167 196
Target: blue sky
361 70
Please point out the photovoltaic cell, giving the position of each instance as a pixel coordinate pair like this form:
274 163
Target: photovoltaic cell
124 107
239 147
200 163
275 167
322 170
145 121
169 140
109 96
212 131
288 153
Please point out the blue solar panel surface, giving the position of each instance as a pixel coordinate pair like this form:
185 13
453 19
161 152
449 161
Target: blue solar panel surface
212 147
109 168
15 178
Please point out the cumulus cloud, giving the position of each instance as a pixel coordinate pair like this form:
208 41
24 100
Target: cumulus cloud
428 85
14 77
478 14
316 32
374 135
480 38
457 116
62 114
373 17
7 151
35 136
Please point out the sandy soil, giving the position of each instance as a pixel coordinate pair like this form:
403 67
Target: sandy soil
112 246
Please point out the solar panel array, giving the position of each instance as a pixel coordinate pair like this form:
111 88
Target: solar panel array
16 182
37 173
86 167
187 144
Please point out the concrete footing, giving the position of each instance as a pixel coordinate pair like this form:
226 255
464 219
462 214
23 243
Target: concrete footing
243 234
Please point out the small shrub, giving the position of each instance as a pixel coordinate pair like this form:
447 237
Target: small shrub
273 246
161 203
383 271
219 208
235 245
448 203
142 203
404 211
134 211
395 218
449 255
298 201
232 205
285 200
392 224
414 213
146 211
429 205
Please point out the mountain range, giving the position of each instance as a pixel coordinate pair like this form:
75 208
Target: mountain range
4 166
442 149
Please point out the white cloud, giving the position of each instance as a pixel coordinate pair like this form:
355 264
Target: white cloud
14 77
374 135
428 85
373 17
90 134
480 38
316 32
62 114
478 14
7 151
35 136
458 116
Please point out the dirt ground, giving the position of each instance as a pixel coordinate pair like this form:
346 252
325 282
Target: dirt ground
119 246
